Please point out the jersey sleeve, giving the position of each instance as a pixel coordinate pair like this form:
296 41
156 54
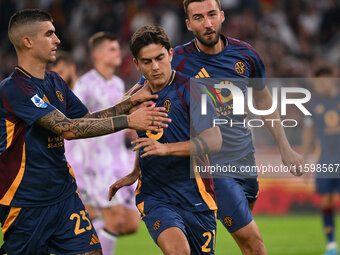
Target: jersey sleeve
200 121
74 108
23 101
258 77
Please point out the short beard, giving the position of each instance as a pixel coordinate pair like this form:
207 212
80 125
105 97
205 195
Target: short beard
209 43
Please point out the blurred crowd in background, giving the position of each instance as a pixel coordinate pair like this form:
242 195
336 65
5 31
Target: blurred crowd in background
293 37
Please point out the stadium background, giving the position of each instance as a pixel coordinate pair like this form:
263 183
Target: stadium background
293 37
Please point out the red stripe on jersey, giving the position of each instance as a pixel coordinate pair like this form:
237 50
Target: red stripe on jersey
180 67
11 161
243 44
251 63
183 103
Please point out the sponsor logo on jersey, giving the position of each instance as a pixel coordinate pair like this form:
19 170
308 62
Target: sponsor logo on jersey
38 102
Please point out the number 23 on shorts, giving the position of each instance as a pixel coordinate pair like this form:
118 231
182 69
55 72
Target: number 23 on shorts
80 217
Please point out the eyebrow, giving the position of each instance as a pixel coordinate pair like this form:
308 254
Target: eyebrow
201 14
145 59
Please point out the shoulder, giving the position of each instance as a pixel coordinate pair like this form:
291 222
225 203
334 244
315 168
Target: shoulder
49 74
181 78
243 48
18 82
185 49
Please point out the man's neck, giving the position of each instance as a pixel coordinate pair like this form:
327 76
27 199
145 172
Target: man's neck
105 71
215 49
157 88
33 66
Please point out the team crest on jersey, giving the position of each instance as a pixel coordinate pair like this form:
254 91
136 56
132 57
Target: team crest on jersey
240 67
157 225
320 109
38 102
60 95
167 105
228 221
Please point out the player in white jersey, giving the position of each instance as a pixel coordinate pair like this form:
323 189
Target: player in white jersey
100 161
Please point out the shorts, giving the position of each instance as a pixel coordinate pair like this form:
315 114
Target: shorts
199 227
327 185
233 198
62 228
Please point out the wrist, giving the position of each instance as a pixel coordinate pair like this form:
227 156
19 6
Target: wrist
120 122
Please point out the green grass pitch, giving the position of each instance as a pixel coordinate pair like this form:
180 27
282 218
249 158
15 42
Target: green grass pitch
282 235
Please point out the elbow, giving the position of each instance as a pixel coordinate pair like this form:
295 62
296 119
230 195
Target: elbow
68 136
216 141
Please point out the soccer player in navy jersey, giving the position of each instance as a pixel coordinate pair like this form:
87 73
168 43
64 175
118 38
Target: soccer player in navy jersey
40 210
178 211
211 54
323 129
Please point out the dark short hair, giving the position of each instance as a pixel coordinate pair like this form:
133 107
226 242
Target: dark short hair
323 71
62 56
25 17
187 2
98 38
147 35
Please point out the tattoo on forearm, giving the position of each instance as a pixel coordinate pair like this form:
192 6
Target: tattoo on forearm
119 109
83 127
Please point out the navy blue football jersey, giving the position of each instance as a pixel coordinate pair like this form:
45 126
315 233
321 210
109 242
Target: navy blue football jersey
167 178
235 64
326 118
33 167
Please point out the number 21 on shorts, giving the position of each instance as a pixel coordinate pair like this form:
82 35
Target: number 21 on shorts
209 236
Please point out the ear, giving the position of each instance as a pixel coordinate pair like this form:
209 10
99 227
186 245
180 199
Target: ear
171 54
136 63
27 42
222 16
187 22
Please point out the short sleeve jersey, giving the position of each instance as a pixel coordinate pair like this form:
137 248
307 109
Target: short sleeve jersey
33 167
239 62
168 178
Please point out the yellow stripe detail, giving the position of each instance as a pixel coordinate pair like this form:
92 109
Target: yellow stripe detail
172 78
201 75
140 207
138 187
10 132
197 46
96 238
70 170
205 73
13 214
7 198
197 76
205 195
23 72
46 99
93 241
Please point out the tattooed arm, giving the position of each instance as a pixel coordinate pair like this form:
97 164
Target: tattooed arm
150 118
126 103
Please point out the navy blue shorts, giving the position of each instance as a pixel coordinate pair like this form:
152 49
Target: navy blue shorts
199 227
62 228
233 196
327 185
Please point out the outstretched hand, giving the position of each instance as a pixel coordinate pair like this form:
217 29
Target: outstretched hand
122 182
144 94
